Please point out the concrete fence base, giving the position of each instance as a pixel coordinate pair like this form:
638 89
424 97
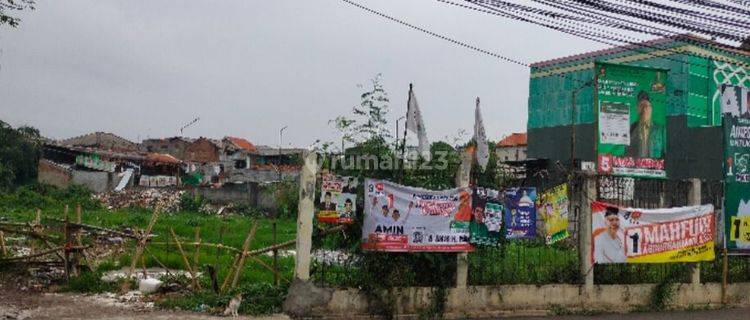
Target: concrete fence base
306 300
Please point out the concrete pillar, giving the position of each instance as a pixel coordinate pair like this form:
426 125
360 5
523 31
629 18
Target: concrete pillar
306 211
584 232
463 178
694 199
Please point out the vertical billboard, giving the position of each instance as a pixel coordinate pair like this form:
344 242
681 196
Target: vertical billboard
631 105
734 106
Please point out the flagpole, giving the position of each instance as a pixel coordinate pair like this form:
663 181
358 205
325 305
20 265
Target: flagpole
406 125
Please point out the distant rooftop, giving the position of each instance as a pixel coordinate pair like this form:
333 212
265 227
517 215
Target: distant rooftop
513 140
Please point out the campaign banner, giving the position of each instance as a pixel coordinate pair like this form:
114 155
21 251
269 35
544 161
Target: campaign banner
628 235
553 206
338 199
486 227
407 219
736 121
631 103
520 213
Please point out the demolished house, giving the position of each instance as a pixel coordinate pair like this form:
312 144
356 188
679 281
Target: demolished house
104 162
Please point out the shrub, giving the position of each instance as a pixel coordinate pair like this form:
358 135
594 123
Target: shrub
191 203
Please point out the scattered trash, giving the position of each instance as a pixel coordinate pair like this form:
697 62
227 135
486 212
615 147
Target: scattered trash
130 300
149 285
168 200
153 273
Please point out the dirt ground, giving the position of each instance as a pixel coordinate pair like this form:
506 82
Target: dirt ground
25 304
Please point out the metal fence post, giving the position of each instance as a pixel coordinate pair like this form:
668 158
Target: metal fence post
462 181
588 195
694 199
306 211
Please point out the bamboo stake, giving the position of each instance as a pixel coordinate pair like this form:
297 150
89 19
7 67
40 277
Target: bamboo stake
97 228
202 244
158 262
2 243
245 247
269 268
230 274
185 260
139 248
196 256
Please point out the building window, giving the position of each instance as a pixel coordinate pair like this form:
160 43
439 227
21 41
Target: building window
240 164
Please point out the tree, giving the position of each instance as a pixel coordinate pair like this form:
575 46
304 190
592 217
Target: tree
369 119
6 6
20 150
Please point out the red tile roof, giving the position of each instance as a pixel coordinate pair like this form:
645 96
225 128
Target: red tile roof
242 143
513 140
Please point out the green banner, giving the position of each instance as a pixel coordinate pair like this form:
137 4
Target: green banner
736 168
631 106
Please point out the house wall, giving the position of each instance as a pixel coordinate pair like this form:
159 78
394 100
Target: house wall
254 194
202 151
517 153
174 147
96 181
53 174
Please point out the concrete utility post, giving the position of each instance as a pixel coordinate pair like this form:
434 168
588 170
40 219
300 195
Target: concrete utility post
306 211
694 199
462 181
584 233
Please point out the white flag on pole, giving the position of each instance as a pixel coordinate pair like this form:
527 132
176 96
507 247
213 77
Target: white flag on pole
483 151
415 123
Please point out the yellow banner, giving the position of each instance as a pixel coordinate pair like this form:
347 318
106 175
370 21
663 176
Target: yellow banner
739 228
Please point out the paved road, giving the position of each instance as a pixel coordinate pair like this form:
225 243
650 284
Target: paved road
720 314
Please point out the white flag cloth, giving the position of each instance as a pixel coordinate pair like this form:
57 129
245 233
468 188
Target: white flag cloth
483 151
415 123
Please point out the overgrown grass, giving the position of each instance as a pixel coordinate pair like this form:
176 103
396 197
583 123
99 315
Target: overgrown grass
21 205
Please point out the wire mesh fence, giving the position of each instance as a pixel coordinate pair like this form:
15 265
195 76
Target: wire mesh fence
533 261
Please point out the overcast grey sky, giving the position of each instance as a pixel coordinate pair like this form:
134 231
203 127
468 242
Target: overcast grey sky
246 68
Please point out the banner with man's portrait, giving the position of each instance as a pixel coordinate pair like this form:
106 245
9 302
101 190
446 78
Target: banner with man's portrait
407 219
487 222
629 235
631 104
338 199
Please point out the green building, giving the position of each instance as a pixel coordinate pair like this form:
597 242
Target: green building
696 69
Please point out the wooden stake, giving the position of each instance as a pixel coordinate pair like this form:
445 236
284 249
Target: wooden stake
245 249
139 249
196 285
230 274
2 243
724 276
66 253
196 255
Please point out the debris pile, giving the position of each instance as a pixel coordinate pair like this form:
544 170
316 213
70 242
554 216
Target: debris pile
132 300
168 200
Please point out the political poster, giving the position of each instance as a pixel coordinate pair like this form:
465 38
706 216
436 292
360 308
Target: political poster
631 103
736 168
553 206
406 219
628 235
520 213
486 225
338 199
